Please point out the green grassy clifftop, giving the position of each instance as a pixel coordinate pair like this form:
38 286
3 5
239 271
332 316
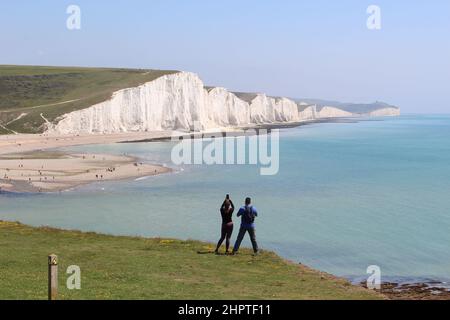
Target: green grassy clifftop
27 92
139 268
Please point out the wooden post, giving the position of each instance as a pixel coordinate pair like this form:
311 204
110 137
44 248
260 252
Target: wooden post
52 277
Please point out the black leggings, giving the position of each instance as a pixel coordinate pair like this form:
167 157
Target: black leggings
227 230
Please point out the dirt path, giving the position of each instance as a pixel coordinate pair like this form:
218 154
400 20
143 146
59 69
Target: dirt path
5 128
45 105
16 119
45 119
31 108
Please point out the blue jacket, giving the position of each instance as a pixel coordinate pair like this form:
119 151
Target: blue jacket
241 212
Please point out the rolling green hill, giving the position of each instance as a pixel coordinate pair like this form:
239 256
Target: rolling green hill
140 268
26 92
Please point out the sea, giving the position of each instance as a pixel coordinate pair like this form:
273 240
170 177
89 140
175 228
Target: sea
348 195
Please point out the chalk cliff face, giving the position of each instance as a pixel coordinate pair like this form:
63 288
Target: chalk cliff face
332 112
265 109
225 109
176 102
391 112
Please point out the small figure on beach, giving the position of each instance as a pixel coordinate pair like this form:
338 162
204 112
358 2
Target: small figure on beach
226 211
248 213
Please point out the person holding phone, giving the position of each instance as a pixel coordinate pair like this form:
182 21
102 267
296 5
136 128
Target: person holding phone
226 211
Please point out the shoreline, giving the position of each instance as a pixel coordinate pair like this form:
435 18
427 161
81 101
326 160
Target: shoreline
56 171
243 131
33 163
23 142
413 290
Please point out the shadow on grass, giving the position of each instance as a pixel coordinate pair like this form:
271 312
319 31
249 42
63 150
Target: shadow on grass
205 252
214 253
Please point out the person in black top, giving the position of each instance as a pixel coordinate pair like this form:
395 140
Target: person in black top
226 210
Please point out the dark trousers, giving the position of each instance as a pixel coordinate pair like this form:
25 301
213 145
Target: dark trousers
252 233
226 232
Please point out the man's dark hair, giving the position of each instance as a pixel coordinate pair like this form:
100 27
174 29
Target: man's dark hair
248 201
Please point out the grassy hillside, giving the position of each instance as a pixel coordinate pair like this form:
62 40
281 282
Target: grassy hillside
27 92
138 268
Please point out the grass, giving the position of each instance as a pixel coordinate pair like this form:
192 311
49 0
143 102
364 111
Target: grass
54 91
137 268
3 131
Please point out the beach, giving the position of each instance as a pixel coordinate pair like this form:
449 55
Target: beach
57 171
30 142
28 165
32 163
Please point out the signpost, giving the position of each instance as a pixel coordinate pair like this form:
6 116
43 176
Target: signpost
52 277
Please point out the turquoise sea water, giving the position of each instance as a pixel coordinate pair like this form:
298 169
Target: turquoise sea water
348 195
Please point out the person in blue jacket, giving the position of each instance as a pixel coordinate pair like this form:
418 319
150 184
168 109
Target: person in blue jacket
248 213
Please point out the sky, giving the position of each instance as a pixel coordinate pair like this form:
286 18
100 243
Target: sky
299 48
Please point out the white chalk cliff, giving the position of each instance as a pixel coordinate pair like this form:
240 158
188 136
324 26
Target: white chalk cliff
333 112
176 101
385 112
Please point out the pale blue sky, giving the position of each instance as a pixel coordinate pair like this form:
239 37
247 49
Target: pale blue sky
314 49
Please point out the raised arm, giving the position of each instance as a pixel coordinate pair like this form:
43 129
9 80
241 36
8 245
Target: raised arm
223 204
